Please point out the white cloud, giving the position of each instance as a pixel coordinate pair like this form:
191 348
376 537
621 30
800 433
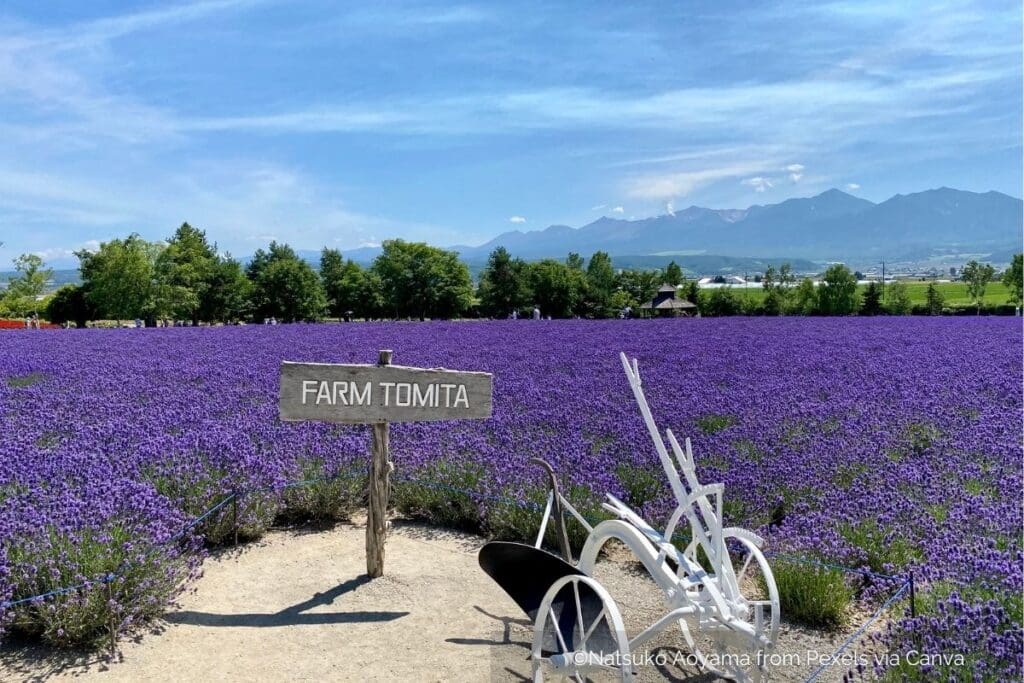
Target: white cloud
796 172
383 18
44 197
618 209
852 186
516 219
667 186
598 207
759 183
62 254
704 154
670 208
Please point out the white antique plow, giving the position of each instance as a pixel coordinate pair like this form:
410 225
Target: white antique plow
578 630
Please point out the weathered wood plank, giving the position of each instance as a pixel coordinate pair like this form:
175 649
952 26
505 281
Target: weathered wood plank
379 491
370 394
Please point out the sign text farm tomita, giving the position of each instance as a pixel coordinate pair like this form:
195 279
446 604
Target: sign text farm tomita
367 393
377 395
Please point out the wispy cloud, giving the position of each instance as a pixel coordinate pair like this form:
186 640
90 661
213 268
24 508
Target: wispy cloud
63 254
92 33
759 183
516 219
668 186
852 186
383 17
796 172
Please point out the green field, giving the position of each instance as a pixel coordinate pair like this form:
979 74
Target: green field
954 293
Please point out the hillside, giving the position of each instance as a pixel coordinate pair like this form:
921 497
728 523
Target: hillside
830 226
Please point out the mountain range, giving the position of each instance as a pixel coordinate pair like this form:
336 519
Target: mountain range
942 226
831 226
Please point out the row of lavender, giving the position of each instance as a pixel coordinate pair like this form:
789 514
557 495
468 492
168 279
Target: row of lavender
889 444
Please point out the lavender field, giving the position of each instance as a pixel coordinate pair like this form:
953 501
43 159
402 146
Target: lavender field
888 444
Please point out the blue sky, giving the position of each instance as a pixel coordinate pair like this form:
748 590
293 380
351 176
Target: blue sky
318 123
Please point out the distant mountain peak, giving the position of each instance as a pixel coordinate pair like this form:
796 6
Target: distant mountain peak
835 192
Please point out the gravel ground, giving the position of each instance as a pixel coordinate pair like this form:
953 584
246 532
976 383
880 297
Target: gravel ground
297 606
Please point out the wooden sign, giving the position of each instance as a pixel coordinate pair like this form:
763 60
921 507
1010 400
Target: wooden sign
364 394
378 395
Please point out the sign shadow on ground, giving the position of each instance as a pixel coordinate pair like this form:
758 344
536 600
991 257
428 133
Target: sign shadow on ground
295 615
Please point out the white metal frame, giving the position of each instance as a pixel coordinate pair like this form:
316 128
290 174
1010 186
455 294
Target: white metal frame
728 633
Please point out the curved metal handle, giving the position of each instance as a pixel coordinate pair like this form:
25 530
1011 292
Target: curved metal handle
556 498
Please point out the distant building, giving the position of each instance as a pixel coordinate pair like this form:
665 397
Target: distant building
725 281
665 303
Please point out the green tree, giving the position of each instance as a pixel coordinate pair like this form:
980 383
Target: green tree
639 286
228 292
837 294
977 276
721 301
620 300
872 303
285 286
897 299
70 304
347 295
295 290
343 284
1013 279
750 305
673 274
778 289
423 281
331 266
805 298
934 301
504 284
183 272
693 292
773 304
784 285
25 288
557 287
600 285
119 278
371 304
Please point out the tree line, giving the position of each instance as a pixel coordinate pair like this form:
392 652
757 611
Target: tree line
185 278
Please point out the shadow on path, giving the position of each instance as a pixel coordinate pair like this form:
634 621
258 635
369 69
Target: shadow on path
295 615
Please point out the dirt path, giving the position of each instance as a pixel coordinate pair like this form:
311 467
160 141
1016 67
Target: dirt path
297 606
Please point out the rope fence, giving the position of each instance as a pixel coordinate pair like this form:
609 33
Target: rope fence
905 587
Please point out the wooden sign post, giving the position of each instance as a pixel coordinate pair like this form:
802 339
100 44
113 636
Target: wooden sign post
379 490
378 395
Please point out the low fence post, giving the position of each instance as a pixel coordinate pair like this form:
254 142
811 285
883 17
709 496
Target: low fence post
234 514
113 625
913 596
